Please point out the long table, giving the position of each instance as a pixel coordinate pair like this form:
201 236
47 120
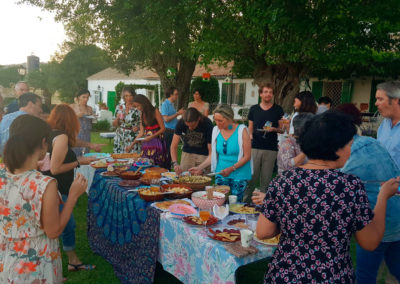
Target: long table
131 235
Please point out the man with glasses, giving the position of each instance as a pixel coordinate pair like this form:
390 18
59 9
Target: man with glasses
263 127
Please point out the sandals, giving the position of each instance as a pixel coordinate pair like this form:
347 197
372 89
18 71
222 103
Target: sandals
81 266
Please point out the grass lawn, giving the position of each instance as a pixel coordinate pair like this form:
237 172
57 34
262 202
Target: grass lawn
103 273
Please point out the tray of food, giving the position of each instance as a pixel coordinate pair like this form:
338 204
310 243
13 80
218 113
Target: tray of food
156 170
237 222
164 205
125 156
152 193
132 175
226 235
179 190
270 242
129 183
102 164
143 162
170 175
243 208
196 221
195 182
109 174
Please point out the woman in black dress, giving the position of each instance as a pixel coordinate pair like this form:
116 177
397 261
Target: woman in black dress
317 209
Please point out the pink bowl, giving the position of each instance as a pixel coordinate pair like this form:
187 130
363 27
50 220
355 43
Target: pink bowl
199 198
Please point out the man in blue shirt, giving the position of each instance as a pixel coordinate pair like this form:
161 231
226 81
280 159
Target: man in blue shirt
29 103
388 104
20 88
170 115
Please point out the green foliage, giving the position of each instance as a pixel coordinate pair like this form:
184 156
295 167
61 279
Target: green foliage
9 76
209 91
101 125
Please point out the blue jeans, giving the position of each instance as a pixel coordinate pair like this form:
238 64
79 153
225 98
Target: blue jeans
368 262
68 235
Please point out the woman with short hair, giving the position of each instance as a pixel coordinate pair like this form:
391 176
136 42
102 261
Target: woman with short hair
195 130
317 209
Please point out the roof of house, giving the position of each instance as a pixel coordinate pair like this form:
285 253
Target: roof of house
113 74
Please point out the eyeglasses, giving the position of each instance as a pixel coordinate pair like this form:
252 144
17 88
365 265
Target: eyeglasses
225 148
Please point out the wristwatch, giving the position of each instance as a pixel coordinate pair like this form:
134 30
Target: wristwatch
175 163
79 164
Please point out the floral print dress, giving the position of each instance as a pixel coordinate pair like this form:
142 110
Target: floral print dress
124 135
27 255
317 212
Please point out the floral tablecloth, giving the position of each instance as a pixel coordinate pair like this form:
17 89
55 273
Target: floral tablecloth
192 257
123 229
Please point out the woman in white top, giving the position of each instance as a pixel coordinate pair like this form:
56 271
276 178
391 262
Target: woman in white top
303 102
199 104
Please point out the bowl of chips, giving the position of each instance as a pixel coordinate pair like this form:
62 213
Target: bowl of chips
152 193
179 191
195 182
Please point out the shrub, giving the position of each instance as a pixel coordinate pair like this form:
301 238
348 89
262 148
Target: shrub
101 125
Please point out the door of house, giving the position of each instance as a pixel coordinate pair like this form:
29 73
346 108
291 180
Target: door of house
111 101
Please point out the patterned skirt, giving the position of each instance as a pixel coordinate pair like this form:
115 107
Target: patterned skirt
156 150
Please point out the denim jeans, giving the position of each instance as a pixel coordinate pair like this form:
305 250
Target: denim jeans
68 235
368 262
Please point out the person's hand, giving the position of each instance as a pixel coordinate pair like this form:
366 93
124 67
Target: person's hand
390 188
181 111
129 147
96 147
178 169
273 129
258 197
86 160
196 171
135 128
78 186
226 172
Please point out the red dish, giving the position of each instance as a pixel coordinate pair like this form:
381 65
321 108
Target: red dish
130 183
235 221
224 235
195 220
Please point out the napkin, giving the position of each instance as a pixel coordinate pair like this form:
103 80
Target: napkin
221 211
237 250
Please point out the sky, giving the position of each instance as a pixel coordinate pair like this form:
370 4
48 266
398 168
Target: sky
26 30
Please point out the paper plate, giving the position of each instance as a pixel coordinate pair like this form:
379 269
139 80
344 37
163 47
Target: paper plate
181 210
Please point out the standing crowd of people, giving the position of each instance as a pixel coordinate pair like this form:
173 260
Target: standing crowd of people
332 183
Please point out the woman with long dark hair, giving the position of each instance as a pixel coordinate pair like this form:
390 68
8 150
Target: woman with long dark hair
151 133
303 102
30 218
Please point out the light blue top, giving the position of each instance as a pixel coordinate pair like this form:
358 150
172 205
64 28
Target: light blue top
370 161
5 127
390 138
167 108
231 157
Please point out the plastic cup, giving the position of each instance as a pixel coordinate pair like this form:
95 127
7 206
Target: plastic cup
232 199
246 237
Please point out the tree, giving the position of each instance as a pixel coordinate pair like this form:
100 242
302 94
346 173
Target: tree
9 76
282 41
69 75
159 34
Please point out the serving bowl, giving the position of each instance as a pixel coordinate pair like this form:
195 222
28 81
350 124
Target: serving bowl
199 198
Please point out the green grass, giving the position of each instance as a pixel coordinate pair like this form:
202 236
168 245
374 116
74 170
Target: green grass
252 273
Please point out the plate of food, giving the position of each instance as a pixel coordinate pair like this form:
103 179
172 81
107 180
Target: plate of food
270 242
99 164
225 235
170 175
129 183
196 221
109 174
164 205
125 156
177 190
195 182
143 162
181 210
238 222
243 208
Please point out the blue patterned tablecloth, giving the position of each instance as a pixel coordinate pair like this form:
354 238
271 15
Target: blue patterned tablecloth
192 257
123 229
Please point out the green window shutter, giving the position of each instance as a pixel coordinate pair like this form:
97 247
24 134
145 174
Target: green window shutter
317 89
111 101
242 93
224 93
347 92
372 99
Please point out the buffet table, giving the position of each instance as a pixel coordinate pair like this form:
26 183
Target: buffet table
123 229
131 235
191 256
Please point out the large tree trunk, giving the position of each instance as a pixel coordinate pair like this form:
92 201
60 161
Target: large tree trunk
285 78
181 81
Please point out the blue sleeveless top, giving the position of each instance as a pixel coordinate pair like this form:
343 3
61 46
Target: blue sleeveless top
231 148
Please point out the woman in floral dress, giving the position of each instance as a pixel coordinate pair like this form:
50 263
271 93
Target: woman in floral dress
30 220
151 130
317 209
127 121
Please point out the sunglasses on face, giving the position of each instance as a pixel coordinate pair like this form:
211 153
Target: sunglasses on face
224 147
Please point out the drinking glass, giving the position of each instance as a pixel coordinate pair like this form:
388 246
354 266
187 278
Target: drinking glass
204 216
